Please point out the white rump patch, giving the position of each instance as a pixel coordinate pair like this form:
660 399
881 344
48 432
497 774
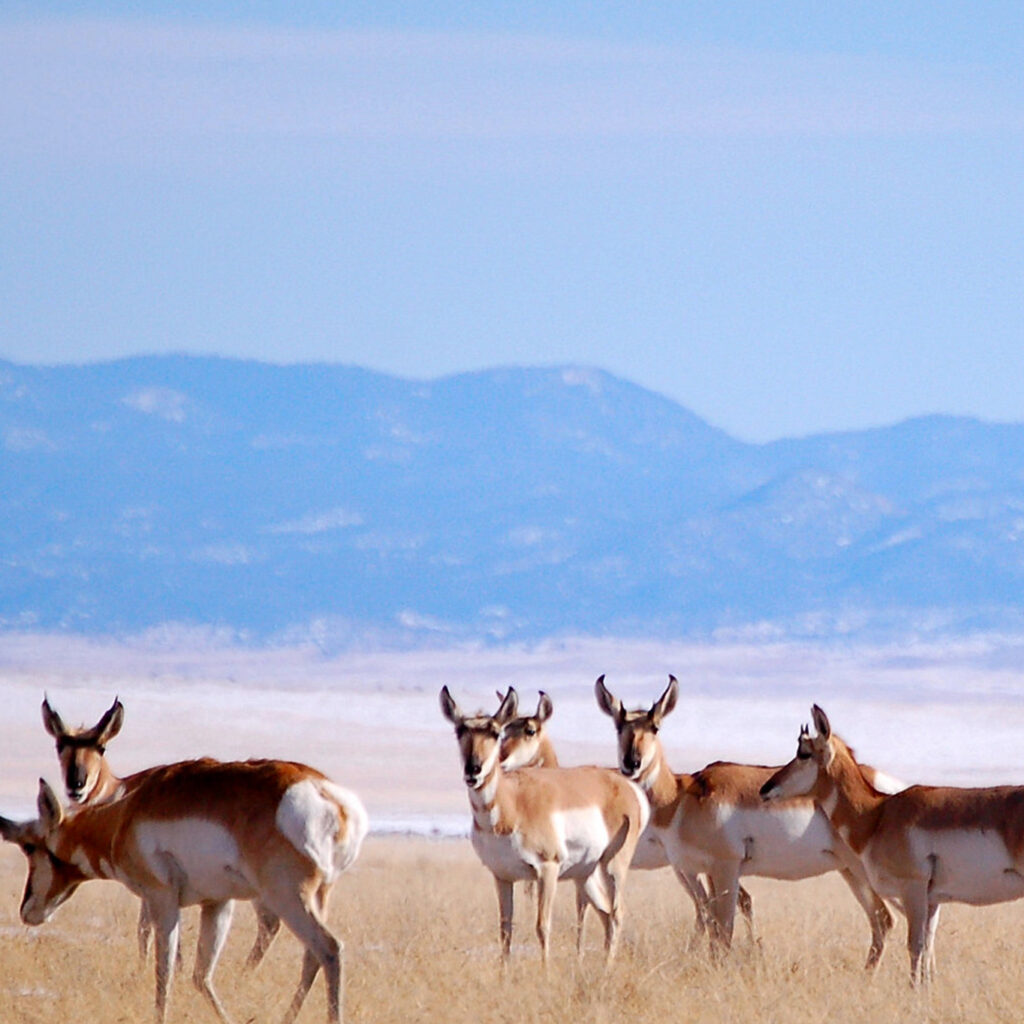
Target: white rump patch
308 819
888 784
347 848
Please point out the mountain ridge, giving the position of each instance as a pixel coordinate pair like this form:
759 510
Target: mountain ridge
506 504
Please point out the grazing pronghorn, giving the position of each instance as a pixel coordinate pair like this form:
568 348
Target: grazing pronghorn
89 779
206 832
547 823
714 822
921 847
526 744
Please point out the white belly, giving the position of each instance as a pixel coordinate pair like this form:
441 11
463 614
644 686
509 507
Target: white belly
787 842
504 855
968 866
198 859
650 853
581 839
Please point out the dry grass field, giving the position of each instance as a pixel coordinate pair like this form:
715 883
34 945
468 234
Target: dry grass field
419 920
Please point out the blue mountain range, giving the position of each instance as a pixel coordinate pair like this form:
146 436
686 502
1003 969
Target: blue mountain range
284 502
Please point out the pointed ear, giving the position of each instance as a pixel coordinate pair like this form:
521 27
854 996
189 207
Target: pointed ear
545 709
11 830
51 720
51 814
608 703
109 725
449 708
821 722
509 707
666 702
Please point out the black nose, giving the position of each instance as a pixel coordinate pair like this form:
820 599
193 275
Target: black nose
631 764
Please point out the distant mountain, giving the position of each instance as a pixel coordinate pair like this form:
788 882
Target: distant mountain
350 506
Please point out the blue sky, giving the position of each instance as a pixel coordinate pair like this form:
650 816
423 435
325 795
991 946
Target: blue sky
788 217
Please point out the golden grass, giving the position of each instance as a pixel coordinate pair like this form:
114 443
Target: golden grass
419 920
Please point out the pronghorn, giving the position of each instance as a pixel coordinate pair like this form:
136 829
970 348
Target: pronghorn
89 779
545 824
714 822
206 832
526 744
922 847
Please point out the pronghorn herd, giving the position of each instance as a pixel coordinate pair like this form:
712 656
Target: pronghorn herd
199 832
279 833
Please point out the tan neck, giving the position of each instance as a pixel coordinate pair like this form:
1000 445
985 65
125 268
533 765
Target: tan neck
852 805
658 782
108 785
86 839
546 756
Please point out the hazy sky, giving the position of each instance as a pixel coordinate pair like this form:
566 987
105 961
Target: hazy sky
789 217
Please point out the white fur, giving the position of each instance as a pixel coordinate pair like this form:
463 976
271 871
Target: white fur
197 857
310 823
504 855
885 783
348 847
582 838
966 865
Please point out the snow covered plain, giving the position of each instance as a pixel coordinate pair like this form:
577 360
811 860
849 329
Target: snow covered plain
950 713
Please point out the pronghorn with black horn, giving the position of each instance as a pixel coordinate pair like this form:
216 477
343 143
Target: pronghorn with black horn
921 847
526 743
714 822
547 823
206 832
89 779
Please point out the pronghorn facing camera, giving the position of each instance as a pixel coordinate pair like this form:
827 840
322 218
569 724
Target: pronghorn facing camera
206 832
525 742
83 766
89 779
921 847
547 823
714 822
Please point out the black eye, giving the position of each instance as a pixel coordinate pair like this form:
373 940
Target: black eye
29 848
654 730
531 731
460 731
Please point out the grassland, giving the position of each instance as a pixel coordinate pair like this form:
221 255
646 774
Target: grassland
419 920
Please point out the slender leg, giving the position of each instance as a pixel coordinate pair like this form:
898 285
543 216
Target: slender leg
932 927
613 876
695 890
745 903
547 881
725 886
596 891
167 925
322 950
915 904
878 913
214 923
582 902
505 905
267 926
144 930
